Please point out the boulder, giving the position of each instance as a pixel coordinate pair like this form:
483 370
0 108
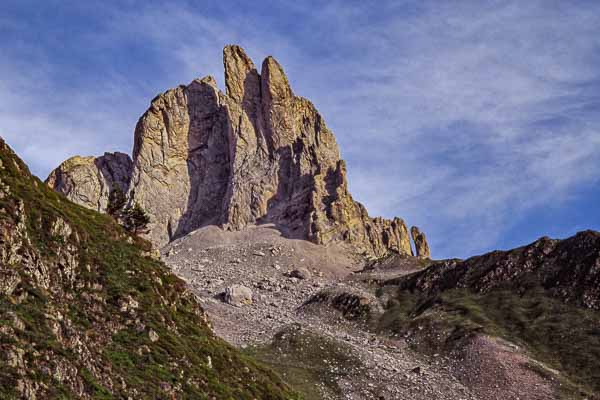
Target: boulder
238 295
300 273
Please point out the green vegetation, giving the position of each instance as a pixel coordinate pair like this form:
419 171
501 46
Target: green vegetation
133 218
562 336
309 362
99 320
117 201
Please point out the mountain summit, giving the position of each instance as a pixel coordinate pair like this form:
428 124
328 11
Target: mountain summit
255 154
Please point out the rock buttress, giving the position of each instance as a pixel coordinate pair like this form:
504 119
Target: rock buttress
89 180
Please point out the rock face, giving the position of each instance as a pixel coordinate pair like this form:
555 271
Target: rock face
252 155
421 245
88 180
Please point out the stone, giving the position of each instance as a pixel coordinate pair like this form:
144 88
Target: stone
153 336
9 281
421 245
238 295
14 358
27 389
128 304
16 321
300 273
255 154
60 228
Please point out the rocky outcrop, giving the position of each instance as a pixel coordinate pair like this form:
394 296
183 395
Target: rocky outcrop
255 154
567 269
421 245
88 180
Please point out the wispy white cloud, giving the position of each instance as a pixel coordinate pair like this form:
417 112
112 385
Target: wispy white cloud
476 108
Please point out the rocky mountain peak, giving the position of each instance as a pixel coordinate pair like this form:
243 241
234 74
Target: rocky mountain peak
275 85
256 154
242 81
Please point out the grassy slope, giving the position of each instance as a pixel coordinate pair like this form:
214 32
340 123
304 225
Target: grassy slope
110 271
308 361
564 337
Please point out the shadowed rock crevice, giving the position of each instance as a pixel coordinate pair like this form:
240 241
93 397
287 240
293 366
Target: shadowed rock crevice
254 154
208 158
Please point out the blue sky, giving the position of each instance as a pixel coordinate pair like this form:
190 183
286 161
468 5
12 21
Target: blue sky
477 120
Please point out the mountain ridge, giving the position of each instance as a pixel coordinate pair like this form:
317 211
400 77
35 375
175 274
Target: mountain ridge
569 269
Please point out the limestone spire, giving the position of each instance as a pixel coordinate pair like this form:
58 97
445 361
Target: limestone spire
242 81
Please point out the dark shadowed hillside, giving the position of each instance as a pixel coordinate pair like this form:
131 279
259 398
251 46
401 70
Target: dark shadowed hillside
568 270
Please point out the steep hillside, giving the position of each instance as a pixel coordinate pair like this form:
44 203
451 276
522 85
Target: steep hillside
85 312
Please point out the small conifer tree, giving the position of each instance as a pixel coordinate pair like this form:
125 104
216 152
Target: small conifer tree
135 219
116 203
